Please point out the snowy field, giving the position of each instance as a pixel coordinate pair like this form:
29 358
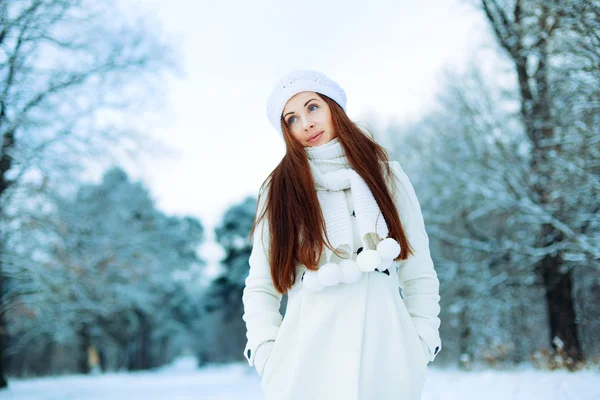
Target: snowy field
183 381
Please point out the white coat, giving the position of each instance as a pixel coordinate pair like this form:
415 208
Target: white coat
349 341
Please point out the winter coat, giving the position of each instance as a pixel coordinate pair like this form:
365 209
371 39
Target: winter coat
365 340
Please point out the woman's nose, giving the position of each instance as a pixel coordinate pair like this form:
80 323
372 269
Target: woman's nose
307 124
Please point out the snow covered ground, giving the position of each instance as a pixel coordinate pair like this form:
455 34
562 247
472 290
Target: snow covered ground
183 381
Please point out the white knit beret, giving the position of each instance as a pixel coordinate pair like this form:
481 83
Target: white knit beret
301 81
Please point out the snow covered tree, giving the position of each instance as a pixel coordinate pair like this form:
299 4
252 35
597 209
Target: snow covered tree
507 169
69 71
554 47
106 267
224 331
462 158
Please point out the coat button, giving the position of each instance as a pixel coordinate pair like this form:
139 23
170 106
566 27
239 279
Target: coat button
353 213
249 352
359 250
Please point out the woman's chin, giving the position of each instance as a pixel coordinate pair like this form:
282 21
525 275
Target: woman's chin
324 138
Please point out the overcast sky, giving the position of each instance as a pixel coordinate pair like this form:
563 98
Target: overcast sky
387 55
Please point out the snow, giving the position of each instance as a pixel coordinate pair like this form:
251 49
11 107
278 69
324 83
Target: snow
182 380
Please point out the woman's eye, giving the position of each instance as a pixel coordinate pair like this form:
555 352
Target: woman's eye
312 107
291 120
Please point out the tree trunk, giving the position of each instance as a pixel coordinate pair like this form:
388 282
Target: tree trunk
140 357
3 382
84 343
8 142
561 307
558 284
3 339
536 111
144 349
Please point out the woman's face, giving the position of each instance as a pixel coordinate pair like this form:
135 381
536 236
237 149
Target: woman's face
308 119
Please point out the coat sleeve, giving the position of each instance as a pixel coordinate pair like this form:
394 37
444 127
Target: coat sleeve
260 298
416 274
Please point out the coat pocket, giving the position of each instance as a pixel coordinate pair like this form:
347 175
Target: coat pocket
270 364
261 356
424 358
423 351
266 370
418 349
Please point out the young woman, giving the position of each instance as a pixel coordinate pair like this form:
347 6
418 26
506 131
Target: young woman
340 230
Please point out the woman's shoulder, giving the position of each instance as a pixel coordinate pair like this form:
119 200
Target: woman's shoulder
402 184
397 172
264 186
395 165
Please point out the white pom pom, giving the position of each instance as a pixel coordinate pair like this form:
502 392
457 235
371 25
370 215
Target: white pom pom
388 248
368 260
329 274
350 271
311 282
386 263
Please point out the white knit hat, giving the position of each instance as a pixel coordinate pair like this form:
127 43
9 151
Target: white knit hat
301 81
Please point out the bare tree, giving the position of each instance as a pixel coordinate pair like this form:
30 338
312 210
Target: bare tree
511 176
70 71
468 160
542 39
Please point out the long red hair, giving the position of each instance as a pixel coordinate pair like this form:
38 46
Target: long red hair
296 225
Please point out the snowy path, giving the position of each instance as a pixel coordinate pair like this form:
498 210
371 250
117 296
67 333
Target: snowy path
183 381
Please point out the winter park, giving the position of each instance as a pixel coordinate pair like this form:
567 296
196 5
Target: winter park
136 135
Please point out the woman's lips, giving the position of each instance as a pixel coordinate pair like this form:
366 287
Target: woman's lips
313 138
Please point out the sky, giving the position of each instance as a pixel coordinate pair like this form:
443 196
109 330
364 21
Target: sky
387 55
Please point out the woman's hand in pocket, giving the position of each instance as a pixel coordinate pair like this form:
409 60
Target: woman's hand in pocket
262 355
426 352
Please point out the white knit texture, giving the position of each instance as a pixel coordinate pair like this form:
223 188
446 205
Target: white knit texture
301 81
332 174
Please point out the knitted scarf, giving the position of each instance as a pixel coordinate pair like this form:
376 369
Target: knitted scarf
332 174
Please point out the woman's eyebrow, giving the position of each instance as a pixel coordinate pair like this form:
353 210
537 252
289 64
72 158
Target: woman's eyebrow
305 104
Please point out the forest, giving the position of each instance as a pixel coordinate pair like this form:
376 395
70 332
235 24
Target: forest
95 277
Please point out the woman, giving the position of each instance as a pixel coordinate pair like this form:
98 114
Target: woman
339 229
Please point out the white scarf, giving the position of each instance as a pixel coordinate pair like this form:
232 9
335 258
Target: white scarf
332 174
